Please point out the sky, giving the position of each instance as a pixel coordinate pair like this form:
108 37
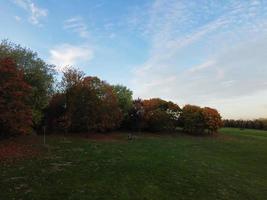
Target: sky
209 52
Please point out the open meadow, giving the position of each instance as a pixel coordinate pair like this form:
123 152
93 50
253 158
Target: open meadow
133 100
231 165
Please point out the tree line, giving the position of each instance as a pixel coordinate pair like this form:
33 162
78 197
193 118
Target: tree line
30 99
260 124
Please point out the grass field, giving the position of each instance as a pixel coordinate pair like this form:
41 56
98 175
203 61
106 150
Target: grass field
230 166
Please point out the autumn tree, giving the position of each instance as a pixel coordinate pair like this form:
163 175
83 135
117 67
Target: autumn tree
15 110
197 120
37 74
160 114
90 104
212 119
99 105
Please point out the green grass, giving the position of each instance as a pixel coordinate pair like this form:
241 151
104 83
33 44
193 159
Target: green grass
230 166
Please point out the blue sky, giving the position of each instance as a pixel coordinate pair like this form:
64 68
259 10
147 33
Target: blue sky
208 52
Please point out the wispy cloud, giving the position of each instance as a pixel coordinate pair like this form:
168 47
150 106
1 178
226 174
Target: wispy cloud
36 13
201 53
77 25
202 66
65 55
17 18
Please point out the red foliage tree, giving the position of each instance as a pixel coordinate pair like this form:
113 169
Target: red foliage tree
15 111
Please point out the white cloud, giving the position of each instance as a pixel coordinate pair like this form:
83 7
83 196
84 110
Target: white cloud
77 25
35 12
65 55
238 71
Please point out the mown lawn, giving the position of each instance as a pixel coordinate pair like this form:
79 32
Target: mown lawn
230 166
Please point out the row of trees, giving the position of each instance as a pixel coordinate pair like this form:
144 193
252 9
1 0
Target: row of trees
260 124
89 104
29 100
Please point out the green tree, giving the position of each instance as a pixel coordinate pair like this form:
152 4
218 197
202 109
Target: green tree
125 98
192 119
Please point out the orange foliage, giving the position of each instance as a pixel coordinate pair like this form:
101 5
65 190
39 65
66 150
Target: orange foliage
160 114
212 118
196 119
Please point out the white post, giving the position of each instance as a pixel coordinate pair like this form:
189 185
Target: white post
44 134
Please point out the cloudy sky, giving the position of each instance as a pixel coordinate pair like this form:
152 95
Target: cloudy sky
209 52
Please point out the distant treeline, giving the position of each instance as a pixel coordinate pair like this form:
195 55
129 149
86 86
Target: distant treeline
260 124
